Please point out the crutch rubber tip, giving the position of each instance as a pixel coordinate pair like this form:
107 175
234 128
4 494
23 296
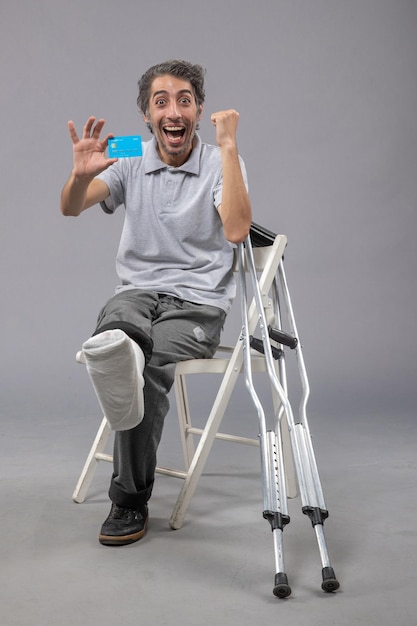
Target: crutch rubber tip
281 588
330 582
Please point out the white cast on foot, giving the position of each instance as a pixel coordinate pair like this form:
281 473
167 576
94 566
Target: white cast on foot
115 364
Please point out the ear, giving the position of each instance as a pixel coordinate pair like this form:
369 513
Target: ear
200 112
145 118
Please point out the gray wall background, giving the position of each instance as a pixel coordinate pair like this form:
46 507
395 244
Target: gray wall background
327 92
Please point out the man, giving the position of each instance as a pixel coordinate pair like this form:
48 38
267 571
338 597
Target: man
186 203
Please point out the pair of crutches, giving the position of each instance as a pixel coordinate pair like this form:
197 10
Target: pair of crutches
271 443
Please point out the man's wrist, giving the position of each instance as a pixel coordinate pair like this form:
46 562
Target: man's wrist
81 179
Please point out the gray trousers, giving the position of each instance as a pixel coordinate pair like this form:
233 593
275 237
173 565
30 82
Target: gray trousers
169 330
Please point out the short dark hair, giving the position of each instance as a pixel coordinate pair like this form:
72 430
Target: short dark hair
174 67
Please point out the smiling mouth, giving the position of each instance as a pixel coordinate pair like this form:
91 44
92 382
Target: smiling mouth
174 133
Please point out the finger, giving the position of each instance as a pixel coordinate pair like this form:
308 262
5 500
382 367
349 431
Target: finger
73 132
105 141
98 128
88 126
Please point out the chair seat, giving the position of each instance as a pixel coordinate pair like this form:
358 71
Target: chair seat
217 364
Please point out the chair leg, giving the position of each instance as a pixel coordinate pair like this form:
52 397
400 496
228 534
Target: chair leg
184 419
91 463
206 440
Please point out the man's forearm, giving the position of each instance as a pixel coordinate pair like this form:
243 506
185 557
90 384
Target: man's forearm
236 213
74 195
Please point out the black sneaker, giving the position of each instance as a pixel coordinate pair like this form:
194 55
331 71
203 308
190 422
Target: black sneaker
123 526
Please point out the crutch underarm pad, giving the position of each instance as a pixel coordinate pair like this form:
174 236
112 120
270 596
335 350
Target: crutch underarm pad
261 236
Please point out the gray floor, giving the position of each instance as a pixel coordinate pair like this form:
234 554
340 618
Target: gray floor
219 567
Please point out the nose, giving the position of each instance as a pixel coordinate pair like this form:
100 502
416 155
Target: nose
173 111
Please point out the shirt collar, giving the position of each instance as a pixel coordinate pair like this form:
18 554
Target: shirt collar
153 163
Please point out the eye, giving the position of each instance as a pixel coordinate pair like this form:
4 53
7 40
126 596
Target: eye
160 101
185 100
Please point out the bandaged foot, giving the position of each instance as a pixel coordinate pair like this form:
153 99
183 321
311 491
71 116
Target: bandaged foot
115 364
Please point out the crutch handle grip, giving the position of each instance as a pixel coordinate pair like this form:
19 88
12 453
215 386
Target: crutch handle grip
283 338
257 344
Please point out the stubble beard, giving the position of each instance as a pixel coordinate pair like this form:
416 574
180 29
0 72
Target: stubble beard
164 146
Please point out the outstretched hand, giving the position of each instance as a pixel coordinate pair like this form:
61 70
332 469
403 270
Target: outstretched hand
226 127
89 151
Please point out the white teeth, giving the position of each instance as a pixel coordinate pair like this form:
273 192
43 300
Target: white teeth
173 128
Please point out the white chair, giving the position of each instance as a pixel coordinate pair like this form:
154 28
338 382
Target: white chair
228 362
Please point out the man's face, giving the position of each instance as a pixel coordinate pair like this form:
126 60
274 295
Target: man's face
173 114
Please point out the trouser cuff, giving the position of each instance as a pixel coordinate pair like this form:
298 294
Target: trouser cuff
133 501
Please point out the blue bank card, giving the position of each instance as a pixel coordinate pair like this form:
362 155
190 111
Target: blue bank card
127 146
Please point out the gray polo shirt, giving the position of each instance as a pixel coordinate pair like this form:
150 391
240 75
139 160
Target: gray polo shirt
173 240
